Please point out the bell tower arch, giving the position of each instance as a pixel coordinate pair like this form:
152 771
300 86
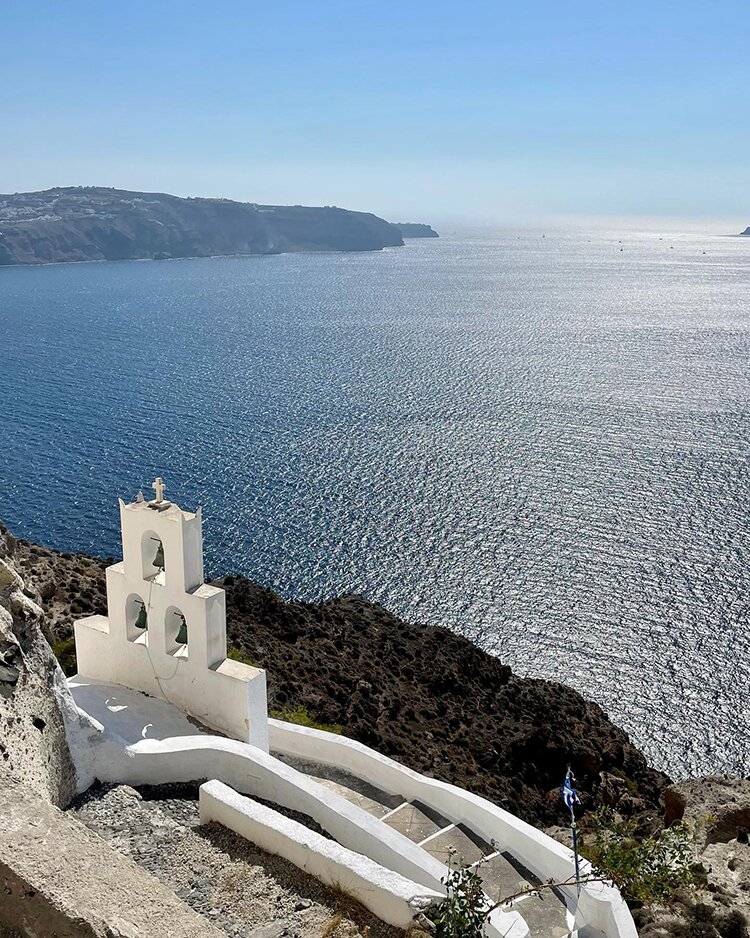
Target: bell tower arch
165 632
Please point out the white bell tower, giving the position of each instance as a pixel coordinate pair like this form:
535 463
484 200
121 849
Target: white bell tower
165 632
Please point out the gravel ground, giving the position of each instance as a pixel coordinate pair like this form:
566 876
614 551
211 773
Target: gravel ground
240 888
181 803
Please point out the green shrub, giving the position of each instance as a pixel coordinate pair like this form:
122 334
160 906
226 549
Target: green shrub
463 912
236 654
631 784
650 869
302 717
65 652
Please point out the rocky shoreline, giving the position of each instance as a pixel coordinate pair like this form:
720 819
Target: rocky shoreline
415 230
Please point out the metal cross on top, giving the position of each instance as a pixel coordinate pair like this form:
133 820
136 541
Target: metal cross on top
158 486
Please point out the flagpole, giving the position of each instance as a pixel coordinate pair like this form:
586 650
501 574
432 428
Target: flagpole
575 847
571 797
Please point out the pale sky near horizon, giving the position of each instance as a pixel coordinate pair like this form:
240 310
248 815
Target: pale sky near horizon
486 112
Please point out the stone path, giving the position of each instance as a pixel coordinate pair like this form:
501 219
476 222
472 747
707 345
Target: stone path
545 912
502 875
240 889
354 789
415 821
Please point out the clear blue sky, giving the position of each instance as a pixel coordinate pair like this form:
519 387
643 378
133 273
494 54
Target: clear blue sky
490 111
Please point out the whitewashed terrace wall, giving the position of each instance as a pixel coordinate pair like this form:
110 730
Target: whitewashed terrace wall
388 895
229 697
252 771
599 906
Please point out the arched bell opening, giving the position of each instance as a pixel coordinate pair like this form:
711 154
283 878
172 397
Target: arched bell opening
152 557
136 619
176 632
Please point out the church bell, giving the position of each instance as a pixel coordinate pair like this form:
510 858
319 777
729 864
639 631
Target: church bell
182 632
141 621
159 557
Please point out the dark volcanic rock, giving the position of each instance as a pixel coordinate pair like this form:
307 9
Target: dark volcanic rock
425 696
433 700
89 223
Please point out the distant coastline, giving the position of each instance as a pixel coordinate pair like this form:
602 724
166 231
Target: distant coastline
415 230
67 225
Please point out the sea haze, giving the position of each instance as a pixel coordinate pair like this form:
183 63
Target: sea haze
542 441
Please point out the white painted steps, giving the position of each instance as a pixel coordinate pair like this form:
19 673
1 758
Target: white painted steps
545 912
457 844
366 796
415 821
502 875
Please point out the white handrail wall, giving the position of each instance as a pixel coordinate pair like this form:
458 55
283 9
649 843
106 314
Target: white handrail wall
393 898
250 770
599 905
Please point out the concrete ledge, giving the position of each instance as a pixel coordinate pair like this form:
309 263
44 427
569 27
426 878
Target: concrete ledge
393 898
97 622
229 697
146 741
58 878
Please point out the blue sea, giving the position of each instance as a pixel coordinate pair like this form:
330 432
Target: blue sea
542 442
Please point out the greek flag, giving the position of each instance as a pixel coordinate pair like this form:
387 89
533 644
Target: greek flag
570 796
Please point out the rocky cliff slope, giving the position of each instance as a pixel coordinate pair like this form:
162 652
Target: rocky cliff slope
421 694
33 746
718 808
90 223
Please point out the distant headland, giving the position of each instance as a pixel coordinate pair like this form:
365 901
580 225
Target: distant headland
743 234
410 229
88 223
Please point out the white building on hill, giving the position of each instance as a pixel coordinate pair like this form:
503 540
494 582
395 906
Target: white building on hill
165 632
156 664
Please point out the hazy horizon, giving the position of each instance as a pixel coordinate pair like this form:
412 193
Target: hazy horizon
729 226
478 113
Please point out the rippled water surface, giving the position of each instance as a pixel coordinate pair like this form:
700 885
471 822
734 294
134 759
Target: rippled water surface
541 440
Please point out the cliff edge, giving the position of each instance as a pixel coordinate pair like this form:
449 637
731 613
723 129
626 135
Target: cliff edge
410 229
93 223
421 694
33 694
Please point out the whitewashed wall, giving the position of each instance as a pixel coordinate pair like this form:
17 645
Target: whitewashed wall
249 770
393 898
600 906
196 677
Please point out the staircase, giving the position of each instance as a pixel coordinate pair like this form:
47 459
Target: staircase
502 875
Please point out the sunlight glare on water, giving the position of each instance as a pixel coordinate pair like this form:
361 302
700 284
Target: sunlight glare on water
543 440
